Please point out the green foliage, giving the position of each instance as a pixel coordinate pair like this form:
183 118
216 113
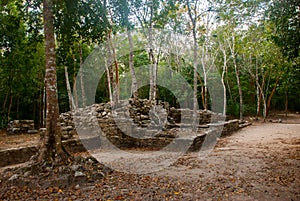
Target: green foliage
267 43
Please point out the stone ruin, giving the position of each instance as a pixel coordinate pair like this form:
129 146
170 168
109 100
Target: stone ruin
21 127
133 124
138 123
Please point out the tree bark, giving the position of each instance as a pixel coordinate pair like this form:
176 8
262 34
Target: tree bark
286 103
51 147
154 64
134 87
81 77
107 65
237 73
75 82
115 84
195 63
257 92
71 100
9 107
224 70
271 96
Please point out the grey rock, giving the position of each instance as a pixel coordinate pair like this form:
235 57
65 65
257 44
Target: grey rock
13 177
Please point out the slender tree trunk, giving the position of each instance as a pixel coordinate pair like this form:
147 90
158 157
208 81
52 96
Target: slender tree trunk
51 147
155 88
195 105
107 65
257 92
81 77
151 57
223 82
286 103
195 64
271 96
134 87
9 107
151 78
71 100
204 90
265 107
116 83
75 82
237 73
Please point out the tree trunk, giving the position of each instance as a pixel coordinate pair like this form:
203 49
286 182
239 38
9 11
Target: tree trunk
9 107
151 57
271 96
51 147
286 103
116 85
107 65
195 64
257 92
81 77
205 91
237 73
265 107
223 82
134 87
71 100
75 82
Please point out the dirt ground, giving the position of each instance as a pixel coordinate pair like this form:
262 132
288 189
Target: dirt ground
260 162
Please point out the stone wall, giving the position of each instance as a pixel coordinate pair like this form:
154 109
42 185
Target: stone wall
21 127
137 124
140 124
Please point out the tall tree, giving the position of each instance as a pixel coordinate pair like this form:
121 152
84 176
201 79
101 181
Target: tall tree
285 15
122 12
51 148
193 15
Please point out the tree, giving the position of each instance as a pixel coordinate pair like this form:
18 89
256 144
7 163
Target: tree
153 14
121 11
51 148
285 15
192 12
79 25
21 64
265 64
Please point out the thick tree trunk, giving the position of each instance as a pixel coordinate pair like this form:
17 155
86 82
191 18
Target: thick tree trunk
51 146
134 87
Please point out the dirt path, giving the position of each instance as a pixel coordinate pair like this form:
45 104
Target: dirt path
260 162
